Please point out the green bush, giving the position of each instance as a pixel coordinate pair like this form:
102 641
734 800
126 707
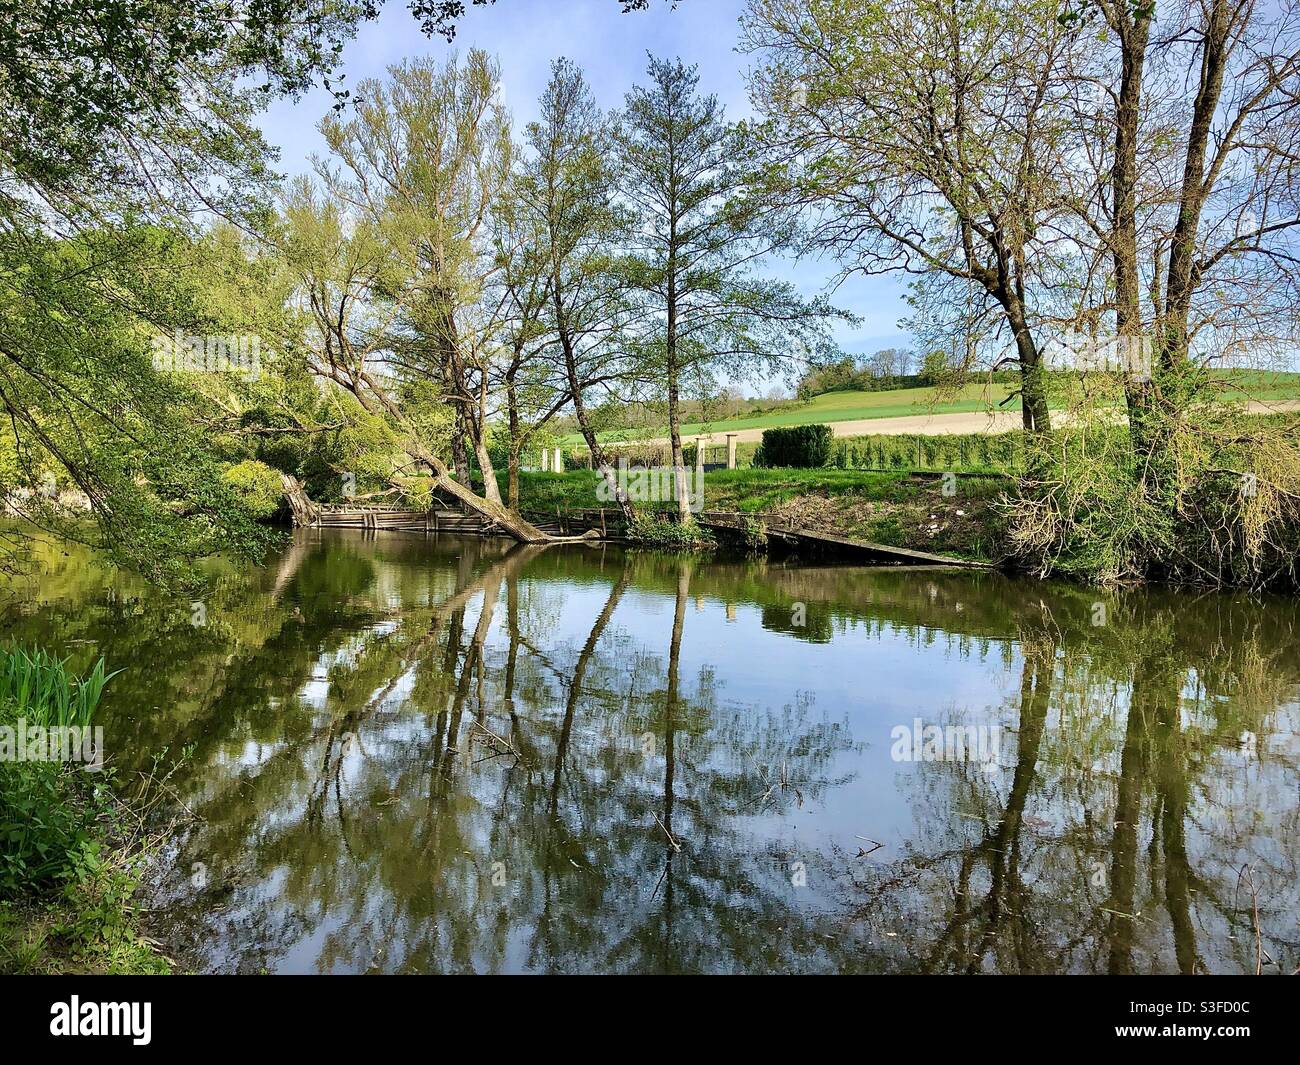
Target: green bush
48 810
258 488
656 532
969 452
799 446
46 828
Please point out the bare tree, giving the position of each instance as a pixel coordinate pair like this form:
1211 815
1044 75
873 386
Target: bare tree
924 137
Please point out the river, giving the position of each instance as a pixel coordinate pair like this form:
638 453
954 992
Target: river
444 755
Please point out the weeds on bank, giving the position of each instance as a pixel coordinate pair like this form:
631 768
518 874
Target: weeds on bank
73 844
1217 505
668 535
41 690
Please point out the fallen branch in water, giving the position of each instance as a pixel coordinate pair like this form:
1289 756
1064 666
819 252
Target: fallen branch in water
675 845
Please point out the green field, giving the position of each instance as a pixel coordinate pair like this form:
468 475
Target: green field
904 402
850 406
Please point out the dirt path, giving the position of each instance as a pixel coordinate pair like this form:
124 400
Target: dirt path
942 424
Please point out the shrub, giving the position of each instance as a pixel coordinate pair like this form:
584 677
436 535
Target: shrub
258 488
655 532
1224 508
48 812
46 827
799 446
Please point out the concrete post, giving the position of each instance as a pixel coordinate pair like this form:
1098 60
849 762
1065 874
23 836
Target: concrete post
559 461
546 460
731 451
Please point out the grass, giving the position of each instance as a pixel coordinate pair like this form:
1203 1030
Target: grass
905 402
850 406
40 690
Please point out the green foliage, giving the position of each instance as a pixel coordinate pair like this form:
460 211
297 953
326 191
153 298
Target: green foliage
47 814
83 398
883 371
46 825
105 73
65 893
958 452
668 535
1225 509
38 687
258 487
801 446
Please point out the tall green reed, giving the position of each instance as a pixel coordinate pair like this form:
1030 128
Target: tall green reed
38 687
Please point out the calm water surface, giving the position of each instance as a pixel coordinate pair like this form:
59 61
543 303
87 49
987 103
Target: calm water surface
411 755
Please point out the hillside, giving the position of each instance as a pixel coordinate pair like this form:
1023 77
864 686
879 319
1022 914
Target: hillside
831 407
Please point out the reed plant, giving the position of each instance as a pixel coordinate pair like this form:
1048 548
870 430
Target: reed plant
39 688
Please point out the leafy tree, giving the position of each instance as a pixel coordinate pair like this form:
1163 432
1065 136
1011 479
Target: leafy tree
430 203
927 138
700 228
567 187
351 286
83 398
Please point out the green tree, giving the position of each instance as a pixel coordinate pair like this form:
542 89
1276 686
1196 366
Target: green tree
927 138
430 202
567 187
700 228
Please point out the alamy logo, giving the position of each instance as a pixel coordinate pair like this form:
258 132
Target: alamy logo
21 742
209 354
132 1019
654 484
1130 355
947 743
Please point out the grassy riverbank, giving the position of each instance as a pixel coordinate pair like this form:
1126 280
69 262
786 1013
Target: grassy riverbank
899 509
72 848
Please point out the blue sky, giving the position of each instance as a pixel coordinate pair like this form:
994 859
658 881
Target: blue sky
525 35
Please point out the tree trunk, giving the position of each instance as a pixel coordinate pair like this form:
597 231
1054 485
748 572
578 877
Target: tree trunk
516 439
512 480
478 425
490 489
684 514
598 457
459 450
1034 412
679 457
1181 280
1133 33
305 512
494 511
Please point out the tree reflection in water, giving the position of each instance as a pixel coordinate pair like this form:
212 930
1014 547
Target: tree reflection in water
442 755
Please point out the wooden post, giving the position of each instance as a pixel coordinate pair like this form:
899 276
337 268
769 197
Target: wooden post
603 533
559 461
731 451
